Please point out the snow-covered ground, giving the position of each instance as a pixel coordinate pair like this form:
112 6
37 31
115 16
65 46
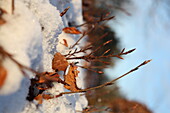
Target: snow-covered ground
147 30
33 34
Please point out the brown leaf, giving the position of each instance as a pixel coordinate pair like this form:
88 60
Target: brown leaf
70 78
39 98
65 42
59 62
48 76
64 12
3 75
71 30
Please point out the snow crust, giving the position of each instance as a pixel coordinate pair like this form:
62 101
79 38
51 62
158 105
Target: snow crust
33 35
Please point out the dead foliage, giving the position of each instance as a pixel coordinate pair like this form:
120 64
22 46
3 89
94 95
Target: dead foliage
42 82
65 11
59 62
71 30
70 78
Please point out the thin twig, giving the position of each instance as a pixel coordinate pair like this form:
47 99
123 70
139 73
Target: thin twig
87 47
96 21
100 47
107 83
100 72
76 52
5 54
84 34
90 57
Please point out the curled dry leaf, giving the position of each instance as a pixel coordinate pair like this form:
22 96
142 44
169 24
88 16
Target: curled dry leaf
59 62
70 78
71 30
3 75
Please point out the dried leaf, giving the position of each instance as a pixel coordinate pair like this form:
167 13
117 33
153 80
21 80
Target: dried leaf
3 75
42 82
59 62
65 42
65 11
48 76
70 78
71 30
39 98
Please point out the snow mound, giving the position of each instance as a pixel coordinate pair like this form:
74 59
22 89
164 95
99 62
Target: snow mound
33 35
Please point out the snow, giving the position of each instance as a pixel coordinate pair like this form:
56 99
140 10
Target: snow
147 30
20 41
33 34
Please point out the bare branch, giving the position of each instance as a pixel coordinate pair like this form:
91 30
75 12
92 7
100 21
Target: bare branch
84 34
101 19
107 83
5 54
100 72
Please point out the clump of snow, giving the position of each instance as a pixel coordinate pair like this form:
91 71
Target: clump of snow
33 35
51 23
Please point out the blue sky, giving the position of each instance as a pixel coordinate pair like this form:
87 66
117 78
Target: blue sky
147 30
